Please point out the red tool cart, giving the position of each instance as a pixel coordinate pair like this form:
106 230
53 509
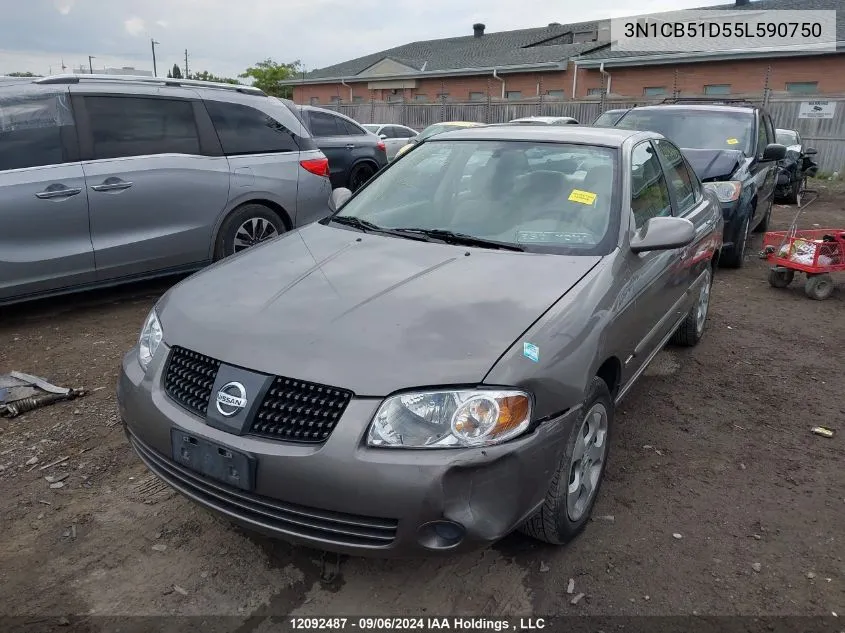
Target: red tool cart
816 253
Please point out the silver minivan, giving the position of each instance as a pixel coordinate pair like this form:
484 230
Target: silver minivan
106 179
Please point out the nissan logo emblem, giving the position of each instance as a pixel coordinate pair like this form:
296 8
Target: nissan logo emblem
231 399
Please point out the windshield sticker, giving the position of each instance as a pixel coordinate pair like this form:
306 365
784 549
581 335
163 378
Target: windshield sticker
584 197
732 141
553 237
531 352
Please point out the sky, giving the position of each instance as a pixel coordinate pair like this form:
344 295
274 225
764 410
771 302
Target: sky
225 37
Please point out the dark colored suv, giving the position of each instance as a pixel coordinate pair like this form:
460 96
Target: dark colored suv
729 145
354 154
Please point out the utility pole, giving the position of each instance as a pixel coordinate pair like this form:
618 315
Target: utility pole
187 75
90 65
153 44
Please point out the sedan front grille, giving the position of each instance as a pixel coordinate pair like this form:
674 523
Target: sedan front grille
189 378
292 410
299 411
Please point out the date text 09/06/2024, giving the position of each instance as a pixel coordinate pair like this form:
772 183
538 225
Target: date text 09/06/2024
452 623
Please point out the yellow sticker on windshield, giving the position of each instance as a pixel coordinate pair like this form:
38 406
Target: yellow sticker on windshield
732 141
584 197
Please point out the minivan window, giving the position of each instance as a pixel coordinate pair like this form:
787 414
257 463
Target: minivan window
137 126
245 130
30 130
689 128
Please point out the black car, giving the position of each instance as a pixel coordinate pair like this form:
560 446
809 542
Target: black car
608 118
795 168
354 154
732 146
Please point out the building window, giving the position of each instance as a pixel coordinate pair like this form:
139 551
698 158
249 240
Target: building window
717 89
335 99
394 98
357 99
512 95
555 94
654 91
422 98
476 96
442 96
804 87
594 92
315 100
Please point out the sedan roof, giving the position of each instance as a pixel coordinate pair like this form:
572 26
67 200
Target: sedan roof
608 137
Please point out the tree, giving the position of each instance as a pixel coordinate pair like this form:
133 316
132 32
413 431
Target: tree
269 75
207 76
176 73
24 74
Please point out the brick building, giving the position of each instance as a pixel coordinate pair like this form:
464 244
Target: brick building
571 61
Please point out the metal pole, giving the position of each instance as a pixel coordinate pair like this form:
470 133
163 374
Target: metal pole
540 100
442 101
153 45
487 108
187 76
766 87
90 65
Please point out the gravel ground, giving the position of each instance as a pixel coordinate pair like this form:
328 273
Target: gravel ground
718 499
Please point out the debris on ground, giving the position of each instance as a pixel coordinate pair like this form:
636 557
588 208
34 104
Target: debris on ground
756 567
570 588
179 589
824 432
58 484
61 460
21 392
607 517
159 547
51 479
577 599
543 567
811 575
678 535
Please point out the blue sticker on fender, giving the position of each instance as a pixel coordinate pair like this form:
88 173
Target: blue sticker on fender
531 351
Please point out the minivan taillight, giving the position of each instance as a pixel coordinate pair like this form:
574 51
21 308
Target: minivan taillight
317 166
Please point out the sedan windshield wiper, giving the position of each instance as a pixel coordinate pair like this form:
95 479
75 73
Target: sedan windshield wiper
368 227
463 239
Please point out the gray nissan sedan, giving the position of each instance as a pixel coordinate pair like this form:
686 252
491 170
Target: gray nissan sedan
437 363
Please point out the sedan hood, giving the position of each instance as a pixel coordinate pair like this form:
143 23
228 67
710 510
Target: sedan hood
714 164
366 312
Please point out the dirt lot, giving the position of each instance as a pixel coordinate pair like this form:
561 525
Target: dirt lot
713 445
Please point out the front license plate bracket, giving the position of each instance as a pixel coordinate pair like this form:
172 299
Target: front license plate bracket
213 460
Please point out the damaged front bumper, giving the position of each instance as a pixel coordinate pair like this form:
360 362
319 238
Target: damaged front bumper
344 496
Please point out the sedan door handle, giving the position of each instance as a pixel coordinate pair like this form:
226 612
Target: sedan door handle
110 185
58 192
350 146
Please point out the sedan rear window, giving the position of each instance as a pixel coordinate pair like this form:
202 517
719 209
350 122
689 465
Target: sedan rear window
545 197
696 129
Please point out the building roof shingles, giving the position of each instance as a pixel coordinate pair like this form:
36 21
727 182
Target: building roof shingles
535 46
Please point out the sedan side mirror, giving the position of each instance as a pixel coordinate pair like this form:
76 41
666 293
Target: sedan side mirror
773 152
382 136
811 151
663 234
339 198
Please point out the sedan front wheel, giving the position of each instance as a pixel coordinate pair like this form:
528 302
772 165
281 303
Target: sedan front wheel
576 482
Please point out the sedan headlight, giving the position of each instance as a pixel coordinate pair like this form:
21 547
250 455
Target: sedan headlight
450 419
726 191
150 339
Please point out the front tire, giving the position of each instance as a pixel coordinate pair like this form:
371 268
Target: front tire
691 330
735 257
576 482
245 227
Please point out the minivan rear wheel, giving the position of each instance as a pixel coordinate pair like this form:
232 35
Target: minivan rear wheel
247 226
575 484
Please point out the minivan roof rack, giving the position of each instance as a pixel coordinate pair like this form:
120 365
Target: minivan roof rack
709 100
161 81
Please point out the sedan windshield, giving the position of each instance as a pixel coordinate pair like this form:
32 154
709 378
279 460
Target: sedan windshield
542 197
695 129
787 137
437 128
